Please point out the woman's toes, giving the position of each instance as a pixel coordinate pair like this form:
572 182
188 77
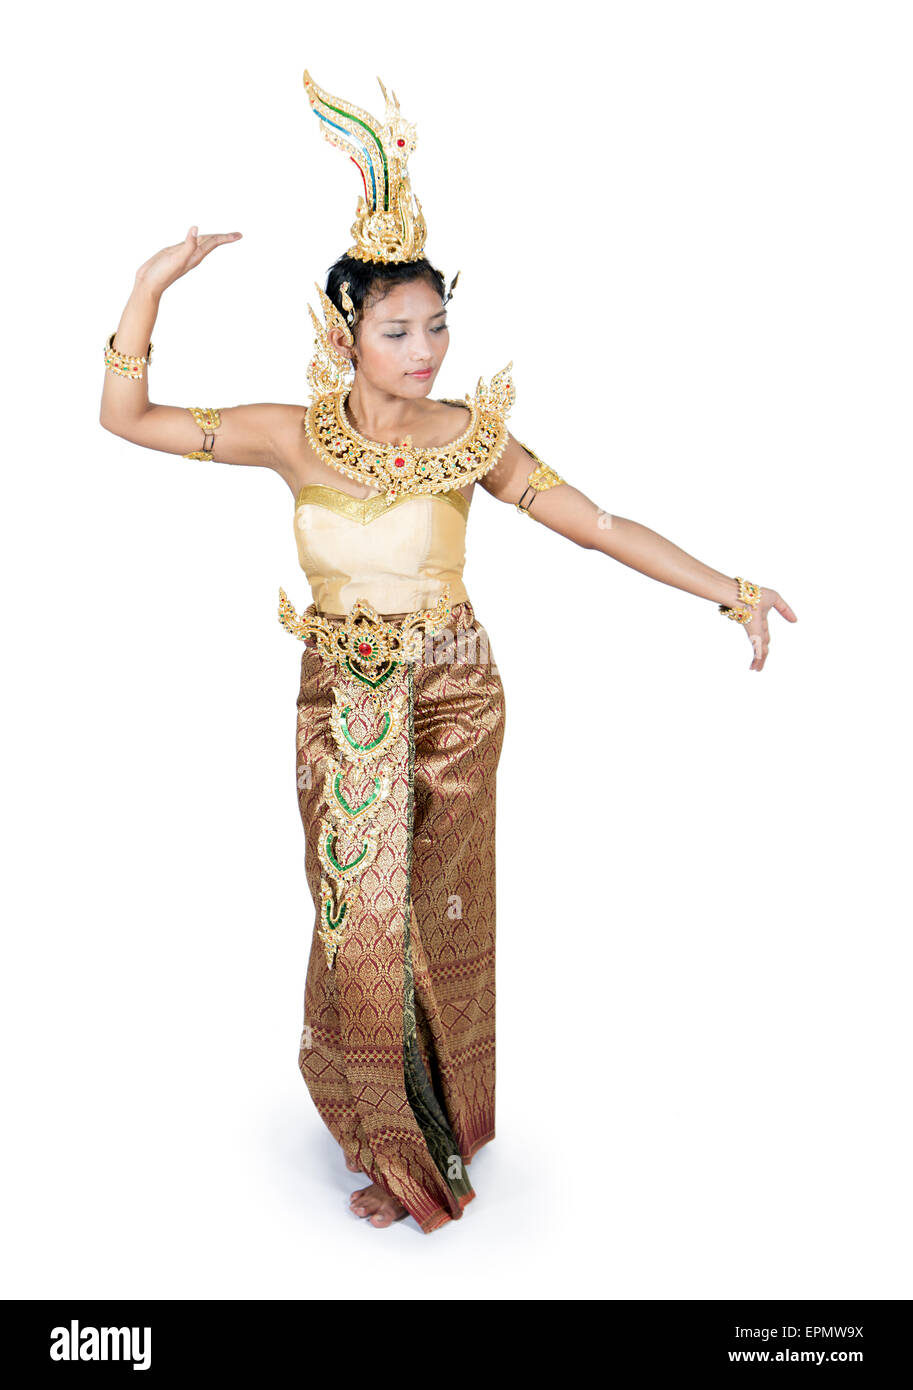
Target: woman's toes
363 1202
374 1202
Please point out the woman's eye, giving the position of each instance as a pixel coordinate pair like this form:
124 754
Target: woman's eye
443 329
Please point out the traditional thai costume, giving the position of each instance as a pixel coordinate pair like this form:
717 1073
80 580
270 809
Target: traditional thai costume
400 724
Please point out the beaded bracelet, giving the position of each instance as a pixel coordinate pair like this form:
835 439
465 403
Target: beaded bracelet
749 593
123 363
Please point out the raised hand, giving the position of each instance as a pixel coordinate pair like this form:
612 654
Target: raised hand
169 264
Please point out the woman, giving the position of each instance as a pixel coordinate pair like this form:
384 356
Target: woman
400 706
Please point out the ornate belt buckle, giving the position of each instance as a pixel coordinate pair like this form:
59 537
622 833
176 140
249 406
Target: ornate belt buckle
364 645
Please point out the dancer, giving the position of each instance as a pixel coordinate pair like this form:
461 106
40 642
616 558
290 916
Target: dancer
400 710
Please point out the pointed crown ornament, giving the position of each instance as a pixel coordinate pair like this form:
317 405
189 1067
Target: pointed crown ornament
386 226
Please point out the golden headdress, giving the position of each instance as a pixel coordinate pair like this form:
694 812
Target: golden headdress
386 227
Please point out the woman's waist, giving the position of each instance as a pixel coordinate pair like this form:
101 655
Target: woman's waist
394 594
461 614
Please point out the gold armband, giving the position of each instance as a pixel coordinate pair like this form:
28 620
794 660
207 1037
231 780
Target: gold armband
541 478
209 421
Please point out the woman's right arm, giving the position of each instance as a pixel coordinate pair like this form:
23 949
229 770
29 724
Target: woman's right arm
247 434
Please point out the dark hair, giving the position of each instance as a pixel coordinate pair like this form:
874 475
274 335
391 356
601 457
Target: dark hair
371 281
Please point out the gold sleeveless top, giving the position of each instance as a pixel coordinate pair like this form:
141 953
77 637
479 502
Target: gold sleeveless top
396 555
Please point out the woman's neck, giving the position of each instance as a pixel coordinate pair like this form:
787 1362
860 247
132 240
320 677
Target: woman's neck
381 416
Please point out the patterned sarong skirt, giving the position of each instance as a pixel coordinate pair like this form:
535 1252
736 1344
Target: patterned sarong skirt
396 788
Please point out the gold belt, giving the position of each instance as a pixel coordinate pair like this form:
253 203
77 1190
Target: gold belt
363 643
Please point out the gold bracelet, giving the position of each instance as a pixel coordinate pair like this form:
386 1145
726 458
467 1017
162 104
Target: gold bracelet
209 421
749 593
122 363
739 615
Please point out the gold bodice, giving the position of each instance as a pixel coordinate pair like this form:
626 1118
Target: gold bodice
396 555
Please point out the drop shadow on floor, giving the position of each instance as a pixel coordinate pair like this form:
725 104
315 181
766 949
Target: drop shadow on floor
310 1163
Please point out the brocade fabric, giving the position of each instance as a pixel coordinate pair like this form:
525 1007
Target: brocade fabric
398 1045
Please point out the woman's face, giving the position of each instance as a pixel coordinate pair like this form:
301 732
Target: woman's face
400 335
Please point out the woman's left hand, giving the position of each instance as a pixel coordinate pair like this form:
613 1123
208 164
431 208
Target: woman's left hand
758 633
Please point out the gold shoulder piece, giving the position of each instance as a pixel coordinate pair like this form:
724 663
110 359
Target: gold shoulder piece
540 480
209 421
498 397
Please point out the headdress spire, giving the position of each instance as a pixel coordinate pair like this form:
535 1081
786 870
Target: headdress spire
387 227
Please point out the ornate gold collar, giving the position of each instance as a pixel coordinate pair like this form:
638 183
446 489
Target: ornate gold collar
402 469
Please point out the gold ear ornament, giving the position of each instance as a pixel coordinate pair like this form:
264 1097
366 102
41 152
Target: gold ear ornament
329 369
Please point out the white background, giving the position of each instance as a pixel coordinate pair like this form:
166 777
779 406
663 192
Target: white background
688 225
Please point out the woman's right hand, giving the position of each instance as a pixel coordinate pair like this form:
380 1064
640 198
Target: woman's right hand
169 264
757 630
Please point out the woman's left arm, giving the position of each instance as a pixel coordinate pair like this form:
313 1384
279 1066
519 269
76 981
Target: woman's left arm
563 508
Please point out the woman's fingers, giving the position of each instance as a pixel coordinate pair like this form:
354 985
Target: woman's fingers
207 243
784 609
758 632
760 641
759 637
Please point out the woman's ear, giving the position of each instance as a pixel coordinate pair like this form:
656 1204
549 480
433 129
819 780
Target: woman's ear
336 337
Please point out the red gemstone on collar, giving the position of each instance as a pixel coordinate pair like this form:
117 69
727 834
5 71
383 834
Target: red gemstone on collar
364 648
401 143
400 463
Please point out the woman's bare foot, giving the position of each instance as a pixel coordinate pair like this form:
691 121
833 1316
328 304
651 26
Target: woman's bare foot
374 1202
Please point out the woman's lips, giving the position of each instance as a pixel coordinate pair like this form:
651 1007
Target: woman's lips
421 374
